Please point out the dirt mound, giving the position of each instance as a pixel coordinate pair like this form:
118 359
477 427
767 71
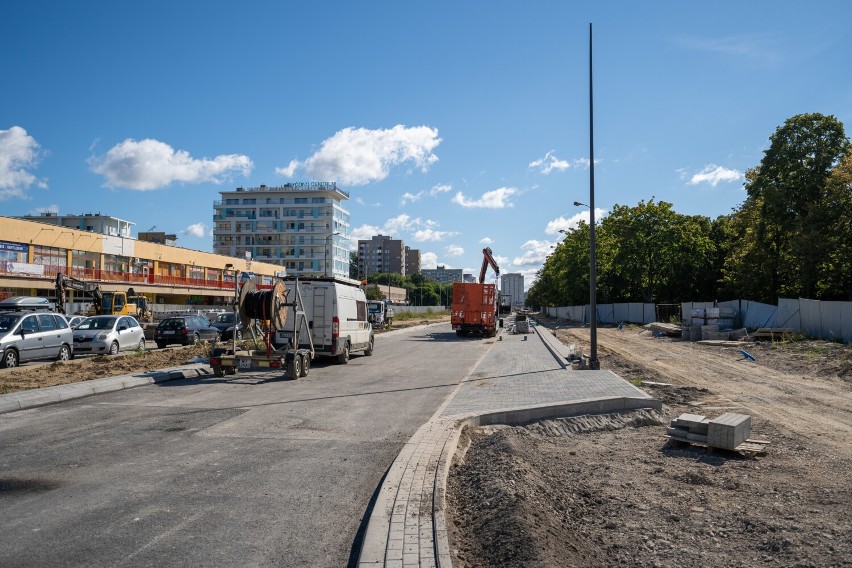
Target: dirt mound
575 493
97 367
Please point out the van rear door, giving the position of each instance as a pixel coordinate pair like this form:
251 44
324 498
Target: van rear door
321 321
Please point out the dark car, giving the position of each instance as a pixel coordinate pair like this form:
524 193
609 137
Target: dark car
186 330
225 324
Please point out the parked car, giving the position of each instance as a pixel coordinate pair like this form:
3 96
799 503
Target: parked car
108 334
224 322
186 330
27 336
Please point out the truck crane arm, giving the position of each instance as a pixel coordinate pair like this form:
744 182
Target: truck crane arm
487 259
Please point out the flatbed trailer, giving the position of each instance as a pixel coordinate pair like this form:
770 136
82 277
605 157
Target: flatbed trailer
272 306
295 362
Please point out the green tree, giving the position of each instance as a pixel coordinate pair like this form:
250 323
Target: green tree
782 225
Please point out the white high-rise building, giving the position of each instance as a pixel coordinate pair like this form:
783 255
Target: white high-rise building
301 226
513 285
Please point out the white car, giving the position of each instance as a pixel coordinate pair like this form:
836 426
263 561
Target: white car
108 334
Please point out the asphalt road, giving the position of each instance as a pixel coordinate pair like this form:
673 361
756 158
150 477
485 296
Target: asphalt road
250 471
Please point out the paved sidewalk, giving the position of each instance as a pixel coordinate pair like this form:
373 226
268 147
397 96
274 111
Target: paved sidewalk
521 378
51 395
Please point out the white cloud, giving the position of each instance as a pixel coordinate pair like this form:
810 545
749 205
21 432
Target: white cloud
549 163
357 156
714 174
359 201
421 229
454 250
429 260
435 190
561 223
195 230
18 154
536 252
288 171
496 199
151 164
54 209
501 260
424 235
584 163
486 241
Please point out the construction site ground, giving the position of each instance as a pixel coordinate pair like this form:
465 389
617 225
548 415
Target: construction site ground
611 491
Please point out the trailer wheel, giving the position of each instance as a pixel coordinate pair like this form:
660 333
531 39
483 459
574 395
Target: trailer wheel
231 371
294 367
306 364
218 371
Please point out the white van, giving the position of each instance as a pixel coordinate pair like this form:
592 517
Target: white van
336 312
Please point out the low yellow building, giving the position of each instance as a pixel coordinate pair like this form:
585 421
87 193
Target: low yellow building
33 253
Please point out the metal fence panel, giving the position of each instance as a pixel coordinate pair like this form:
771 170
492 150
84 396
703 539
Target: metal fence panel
789 314
836 320
621 312
605 313
649 313
810 317
758 315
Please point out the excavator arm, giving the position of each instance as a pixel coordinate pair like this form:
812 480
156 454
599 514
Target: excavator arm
65 283
487 259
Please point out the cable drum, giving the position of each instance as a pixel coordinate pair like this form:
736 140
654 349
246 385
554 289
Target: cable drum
264 304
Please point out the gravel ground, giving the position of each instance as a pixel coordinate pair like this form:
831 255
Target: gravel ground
612 491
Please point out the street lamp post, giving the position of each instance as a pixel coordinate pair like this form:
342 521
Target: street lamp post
326 252
236 307
593 308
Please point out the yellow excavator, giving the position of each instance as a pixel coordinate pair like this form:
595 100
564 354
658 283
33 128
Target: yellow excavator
110 303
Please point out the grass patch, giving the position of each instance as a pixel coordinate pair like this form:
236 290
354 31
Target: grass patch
428 314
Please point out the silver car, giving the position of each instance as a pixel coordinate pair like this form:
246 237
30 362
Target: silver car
27 336
108 334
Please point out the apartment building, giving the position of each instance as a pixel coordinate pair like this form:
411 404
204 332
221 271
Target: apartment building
381 254
301 226
513 285
443 275
412 261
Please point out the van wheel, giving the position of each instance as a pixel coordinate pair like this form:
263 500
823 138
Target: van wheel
113 348
10 359
343 358
369 350
64 353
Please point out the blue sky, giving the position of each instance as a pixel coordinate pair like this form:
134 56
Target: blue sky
452 124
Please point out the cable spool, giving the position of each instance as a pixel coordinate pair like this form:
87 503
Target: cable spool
264 304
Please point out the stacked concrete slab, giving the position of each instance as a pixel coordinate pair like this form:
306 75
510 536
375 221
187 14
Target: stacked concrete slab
727 431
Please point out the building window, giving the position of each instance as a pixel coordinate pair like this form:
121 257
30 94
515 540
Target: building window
49 256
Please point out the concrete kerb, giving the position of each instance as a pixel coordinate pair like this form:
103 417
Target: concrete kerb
60 393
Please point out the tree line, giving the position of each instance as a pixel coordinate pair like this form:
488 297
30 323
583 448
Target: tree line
791 237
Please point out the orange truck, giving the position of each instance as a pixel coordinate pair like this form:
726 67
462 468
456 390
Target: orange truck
474 309
475 305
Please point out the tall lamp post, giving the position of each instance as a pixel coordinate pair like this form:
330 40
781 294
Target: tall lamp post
236 307
328 238
593 308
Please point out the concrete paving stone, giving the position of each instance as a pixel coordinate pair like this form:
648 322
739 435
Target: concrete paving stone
395 544
411 559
